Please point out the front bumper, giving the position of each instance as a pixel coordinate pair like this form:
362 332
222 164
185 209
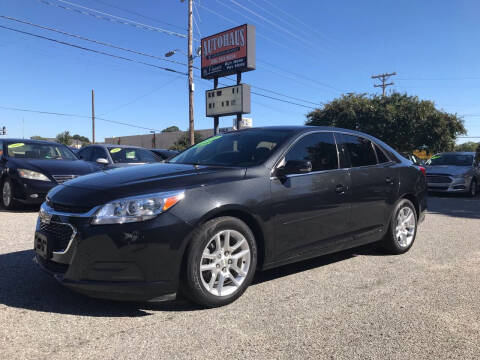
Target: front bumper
131 262
31 191
455 185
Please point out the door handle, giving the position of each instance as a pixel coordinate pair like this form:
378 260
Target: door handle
340 189
389 180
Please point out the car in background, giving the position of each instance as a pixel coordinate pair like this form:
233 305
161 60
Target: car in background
453 172
206 220
415 160
30 168
111 156
164 153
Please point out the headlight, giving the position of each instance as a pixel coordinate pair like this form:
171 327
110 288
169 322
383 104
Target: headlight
137 208
32 175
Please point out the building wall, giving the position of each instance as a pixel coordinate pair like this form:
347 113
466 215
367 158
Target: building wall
162 140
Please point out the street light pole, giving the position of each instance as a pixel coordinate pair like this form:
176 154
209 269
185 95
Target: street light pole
191 85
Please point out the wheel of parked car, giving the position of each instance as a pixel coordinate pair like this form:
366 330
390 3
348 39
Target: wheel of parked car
221 262
403 228
7 195
473 188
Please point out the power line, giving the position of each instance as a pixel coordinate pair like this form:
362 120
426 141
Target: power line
75 115
109 17
148 64
440 79
132 12
92 40
92 50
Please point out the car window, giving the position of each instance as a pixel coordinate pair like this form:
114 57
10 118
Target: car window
241 148
360 150
132 155
99 153
382 158
39 151
318 148
86 154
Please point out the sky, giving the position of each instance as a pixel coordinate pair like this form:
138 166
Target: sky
308 53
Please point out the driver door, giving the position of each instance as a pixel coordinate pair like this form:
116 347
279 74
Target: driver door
311 209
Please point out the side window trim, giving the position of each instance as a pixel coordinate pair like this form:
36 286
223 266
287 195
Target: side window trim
347 154
376 146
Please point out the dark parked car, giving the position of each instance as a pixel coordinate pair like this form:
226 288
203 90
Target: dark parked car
30 168
110 156
209 218
164 154
455 172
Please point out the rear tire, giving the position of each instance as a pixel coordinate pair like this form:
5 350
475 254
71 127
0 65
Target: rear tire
403 228
220 262
8 195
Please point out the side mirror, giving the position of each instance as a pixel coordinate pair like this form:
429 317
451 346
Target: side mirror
294 167
102 161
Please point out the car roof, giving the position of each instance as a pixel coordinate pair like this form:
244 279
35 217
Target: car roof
32 141
117 146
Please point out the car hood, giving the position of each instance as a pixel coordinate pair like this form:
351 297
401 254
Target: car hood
101 187
447 170
55 167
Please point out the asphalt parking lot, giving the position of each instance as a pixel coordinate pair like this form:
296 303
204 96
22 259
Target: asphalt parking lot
356 304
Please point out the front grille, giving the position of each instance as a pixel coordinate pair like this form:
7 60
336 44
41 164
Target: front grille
60 234
439 179
62 178
68 208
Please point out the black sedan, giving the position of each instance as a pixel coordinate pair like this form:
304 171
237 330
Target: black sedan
111 156
164 154
30 168
204 222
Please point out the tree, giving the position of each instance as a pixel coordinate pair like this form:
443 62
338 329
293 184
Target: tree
171 129
469 146
183 141
404 122
64 138
36 137
80 140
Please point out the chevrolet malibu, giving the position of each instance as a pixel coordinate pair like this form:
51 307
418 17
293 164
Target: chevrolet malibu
204 222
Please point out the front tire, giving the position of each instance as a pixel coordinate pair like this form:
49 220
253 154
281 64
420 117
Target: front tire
403 228
8 199
220 262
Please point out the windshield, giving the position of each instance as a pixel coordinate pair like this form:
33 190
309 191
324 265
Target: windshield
25 150
132 155
451 159
242 148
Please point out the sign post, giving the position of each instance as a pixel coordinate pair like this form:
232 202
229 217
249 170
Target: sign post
226 53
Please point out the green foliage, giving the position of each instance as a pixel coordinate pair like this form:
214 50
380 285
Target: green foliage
82 139
183 141
467 146
404 122
36 137
171 129
64 138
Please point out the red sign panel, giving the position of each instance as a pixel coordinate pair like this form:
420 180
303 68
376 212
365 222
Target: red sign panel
228 52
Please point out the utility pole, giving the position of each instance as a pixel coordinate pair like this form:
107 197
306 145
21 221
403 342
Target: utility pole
383 78
191 86
93 116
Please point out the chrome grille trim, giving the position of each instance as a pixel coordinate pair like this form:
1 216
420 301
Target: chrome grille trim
62 178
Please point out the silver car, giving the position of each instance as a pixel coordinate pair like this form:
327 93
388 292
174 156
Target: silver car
455 172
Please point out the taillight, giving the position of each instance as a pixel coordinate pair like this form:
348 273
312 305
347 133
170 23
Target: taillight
423 170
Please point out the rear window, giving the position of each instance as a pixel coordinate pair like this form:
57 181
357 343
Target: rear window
131 155
382 158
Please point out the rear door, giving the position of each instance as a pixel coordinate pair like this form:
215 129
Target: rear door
311 209
374 185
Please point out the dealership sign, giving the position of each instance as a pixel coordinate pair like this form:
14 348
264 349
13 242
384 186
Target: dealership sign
229 52
229 100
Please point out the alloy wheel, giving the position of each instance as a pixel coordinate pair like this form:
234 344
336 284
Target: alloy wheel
6 194
225 263
405 227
